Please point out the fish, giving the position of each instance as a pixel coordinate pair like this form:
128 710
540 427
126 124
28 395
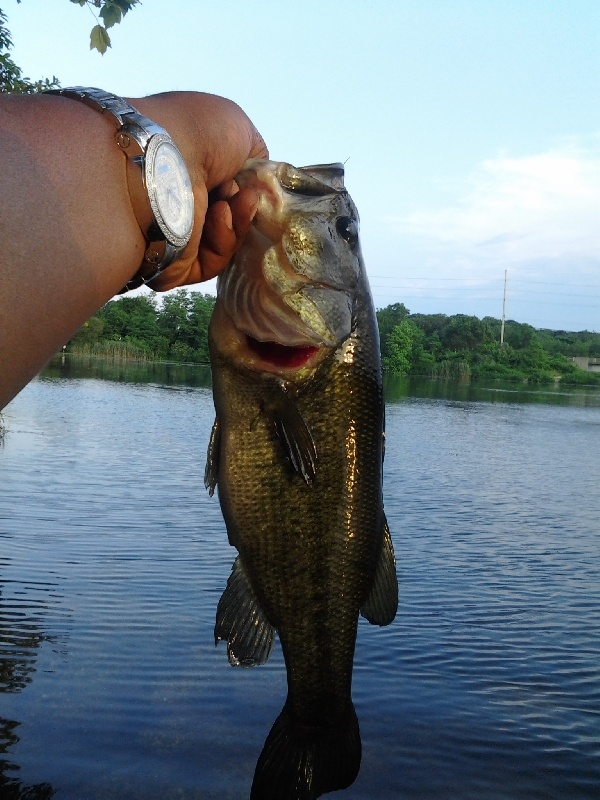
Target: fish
296 453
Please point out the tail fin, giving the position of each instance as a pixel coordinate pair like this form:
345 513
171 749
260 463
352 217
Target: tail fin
302 763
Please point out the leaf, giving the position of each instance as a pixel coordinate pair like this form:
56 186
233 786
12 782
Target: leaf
125 5
111 14
78 2
99 39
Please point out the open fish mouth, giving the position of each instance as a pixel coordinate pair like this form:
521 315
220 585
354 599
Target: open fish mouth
282 356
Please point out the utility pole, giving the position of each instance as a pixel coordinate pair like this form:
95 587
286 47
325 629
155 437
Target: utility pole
503 312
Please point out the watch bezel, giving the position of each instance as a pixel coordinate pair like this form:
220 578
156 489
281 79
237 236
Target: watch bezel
155 142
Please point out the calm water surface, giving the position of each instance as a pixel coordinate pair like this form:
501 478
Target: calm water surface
113 559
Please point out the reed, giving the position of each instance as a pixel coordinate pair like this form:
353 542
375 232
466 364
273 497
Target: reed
114 350
450 369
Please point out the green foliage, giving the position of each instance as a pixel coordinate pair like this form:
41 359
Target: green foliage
110 13
138 327
462 332
387 319
99 39
464 347
458 347
91 331
404 347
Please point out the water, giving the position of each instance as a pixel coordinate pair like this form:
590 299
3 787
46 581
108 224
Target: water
113 559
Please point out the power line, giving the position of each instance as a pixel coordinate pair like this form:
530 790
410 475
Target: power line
514 295
486 281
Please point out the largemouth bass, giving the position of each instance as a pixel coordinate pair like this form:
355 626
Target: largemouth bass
297 451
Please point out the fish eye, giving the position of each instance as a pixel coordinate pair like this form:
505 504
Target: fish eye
348 230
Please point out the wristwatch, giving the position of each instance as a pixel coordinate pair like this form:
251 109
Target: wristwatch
159 182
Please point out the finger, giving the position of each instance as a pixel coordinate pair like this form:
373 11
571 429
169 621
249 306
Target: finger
224 191
226 224
180 273
243 206
225 227
219 240
258 148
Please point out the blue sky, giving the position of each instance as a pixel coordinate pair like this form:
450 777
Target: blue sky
471 128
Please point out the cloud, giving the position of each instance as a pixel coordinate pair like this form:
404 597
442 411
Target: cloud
519 210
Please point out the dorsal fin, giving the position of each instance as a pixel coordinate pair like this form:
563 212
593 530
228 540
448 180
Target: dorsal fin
314 181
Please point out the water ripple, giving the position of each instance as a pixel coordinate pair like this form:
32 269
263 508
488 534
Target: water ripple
112 561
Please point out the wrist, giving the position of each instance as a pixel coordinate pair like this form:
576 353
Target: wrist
159 183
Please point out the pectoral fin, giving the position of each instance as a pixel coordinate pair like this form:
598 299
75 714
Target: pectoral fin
294 435
242 623
381 605
211 472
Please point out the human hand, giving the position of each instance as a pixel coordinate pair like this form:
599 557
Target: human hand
216 138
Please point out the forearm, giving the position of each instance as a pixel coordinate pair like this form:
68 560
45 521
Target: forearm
70 240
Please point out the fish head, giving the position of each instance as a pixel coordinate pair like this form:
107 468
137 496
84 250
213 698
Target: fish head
293 282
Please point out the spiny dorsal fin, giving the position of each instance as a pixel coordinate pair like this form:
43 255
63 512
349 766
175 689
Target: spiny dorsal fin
381 605
242 623
316 180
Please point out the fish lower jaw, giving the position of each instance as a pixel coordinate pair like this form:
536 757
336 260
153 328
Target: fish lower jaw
276 357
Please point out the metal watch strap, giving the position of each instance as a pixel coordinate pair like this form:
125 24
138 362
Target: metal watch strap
130 125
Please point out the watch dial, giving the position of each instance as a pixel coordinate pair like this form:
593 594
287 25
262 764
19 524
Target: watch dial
171 188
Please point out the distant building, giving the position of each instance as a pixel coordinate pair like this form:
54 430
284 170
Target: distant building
587 363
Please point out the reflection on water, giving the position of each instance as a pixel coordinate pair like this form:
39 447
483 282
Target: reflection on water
156 372
21 633
398 388
113 561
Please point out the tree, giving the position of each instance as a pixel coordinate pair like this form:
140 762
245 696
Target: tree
130 318
463 332
387 319
520 335
184 320
431 324
174 317
200 311
402 344
90 332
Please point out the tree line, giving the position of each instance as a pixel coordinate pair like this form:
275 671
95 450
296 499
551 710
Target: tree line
466 347
141 328
435 345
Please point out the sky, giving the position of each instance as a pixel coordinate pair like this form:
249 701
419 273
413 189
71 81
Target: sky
470 129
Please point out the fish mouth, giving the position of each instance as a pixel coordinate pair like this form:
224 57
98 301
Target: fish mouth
282 356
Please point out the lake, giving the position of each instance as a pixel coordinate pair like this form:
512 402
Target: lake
113 559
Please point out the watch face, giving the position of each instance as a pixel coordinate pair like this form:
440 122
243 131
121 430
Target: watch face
170 190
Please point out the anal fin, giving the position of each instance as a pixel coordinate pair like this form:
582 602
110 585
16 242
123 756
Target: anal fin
242 623
381 605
